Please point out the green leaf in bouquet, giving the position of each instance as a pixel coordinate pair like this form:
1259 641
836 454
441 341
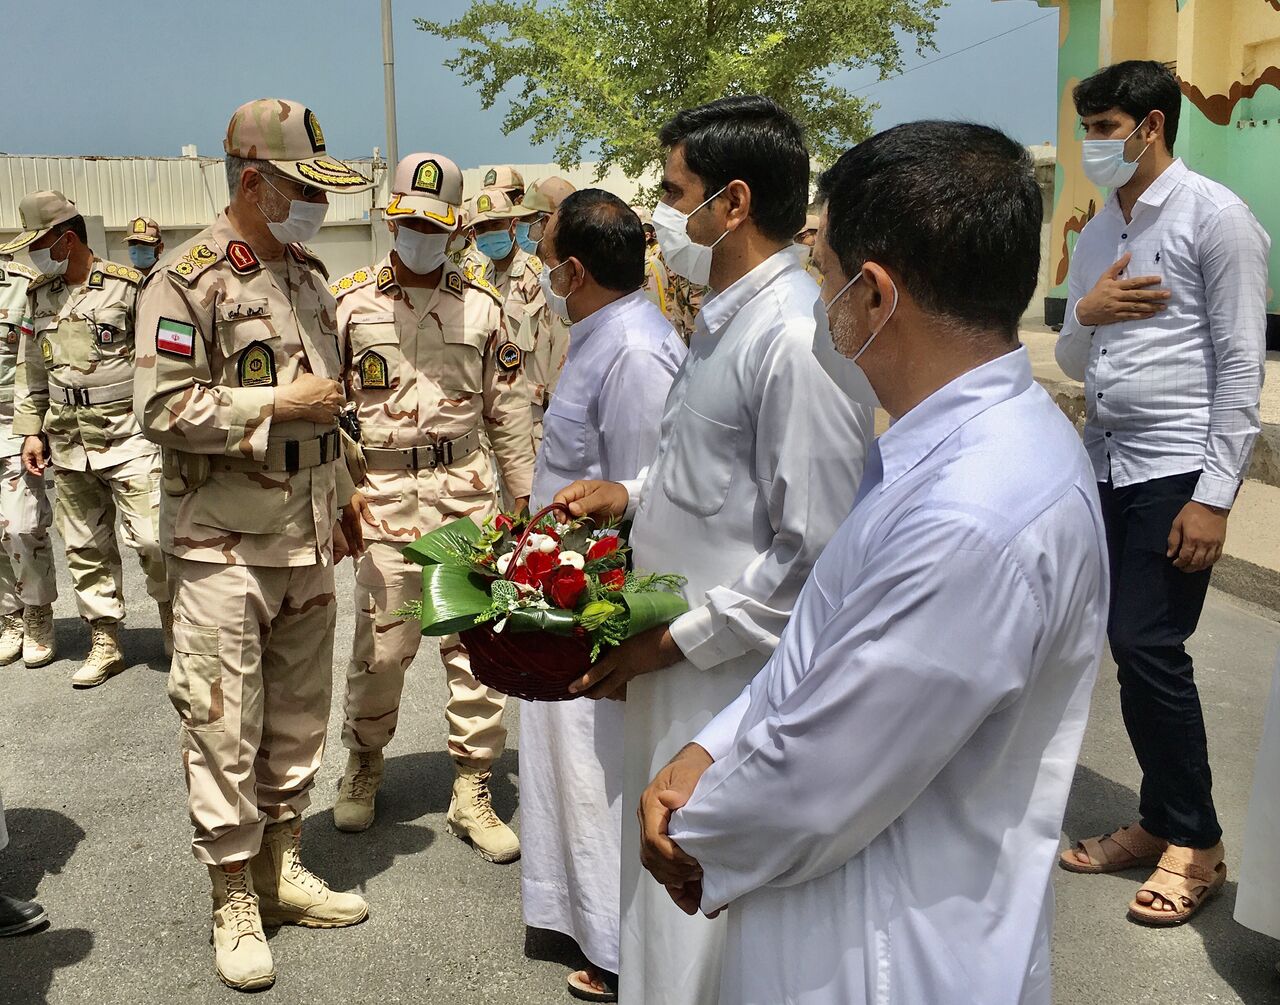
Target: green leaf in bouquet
555 620
453 597
648 610
597 612
451 544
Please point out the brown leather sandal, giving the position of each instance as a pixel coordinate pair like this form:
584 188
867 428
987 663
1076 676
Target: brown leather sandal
1201 884
1139 849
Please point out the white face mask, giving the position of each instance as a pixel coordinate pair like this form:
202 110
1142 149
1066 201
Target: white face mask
683 257
844 372
867 344
559 304
44 262
1104 162
420 253
303 222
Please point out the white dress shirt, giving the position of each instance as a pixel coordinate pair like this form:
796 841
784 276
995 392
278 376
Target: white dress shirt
602 423
1177 392
883 812
758 463
603 419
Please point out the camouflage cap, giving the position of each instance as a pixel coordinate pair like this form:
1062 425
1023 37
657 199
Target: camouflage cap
810 223
545 195
506 178
427 186
495 204
143 230
40 213
288 135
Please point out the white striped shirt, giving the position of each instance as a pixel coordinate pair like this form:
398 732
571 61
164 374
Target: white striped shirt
1177 392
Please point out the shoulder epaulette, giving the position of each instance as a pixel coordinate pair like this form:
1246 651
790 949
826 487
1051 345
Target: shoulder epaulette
305 256
480 283
42 281
25 271
117 271
194 262
535 263
352 281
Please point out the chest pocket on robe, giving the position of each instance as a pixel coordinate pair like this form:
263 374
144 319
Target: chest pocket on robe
699 462
462 359
112 335
564 435
375 353
249 344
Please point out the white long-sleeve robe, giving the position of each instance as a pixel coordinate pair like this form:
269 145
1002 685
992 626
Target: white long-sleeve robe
603 422
885 804
1256 905
759 461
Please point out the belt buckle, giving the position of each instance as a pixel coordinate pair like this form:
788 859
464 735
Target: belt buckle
446 449
80 396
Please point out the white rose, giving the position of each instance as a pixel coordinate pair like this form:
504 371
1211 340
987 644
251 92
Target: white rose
504 563
572 559
546 544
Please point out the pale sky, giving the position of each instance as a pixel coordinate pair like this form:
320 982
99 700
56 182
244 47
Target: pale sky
141 77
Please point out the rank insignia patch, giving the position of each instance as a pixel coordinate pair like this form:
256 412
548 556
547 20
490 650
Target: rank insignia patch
177 338
257 366
96 281
46 349
373 371
484 203
242 258
385 277
427 178
509 357
492 177
314 133
454 282
106 335
139 226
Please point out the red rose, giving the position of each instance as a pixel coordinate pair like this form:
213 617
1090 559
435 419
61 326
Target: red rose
522 575
605 546
503 522
565 586
614 579
539 565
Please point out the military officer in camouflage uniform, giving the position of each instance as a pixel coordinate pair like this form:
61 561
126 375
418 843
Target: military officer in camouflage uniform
551 345
505 179
436 381
27 585
806 237
463 251
656 280
74 408
145 244
238 381
684 300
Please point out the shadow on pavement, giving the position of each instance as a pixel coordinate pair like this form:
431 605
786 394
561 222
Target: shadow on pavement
1097 806
413 786
41 842
1243 958
553 947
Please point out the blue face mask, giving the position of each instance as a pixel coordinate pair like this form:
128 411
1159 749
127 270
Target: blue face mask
143 256
496 245
524 240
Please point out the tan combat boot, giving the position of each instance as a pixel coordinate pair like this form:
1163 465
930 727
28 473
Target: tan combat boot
290 894
38 649
354 809
166 626
10 638
472 819
240 951
104 659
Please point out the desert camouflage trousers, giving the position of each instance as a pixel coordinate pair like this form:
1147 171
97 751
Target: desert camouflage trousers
88 503
385 646
26 556
251 679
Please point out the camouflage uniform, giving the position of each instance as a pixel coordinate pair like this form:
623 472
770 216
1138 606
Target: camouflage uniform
425 367
26 558
247 517
474 263
656 282
684 300
529 323
75 386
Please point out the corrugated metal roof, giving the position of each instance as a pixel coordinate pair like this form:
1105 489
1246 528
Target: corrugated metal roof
176 191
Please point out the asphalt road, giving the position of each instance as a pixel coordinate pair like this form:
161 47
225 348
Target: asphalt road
99 833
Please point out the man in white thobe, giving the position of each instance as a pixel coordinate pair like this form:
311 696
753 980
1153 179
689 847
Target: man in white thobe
758 462
880 809
602 422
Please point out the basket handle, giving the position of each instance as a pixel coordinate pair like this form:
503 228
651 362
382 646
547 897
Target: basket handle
529 529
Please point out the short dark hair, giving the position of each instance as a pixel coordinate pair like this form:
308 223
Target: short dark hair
952 208
76 226
1137 87
752 139
604 234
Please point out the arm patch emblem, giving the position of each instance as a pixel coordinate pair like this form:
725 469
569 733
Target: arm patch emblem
257 366
373 372
509 357
177 338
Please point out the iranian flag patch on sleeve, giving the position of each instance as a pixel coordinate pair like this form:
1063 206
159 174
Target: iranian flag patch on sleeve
177 338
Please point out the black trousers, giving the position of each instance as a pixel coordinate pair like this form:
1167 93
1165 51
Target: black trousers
1154 610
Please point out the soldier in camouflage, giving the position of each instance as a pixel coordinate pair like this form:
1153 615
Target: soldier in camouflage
74 408
656 280
551 339
463 251
145 244
684 300
27 585
238 381
507 180
805 238
436 382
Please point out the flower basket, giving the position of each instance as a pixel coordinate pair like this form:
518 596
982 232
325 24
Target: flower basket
536 600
